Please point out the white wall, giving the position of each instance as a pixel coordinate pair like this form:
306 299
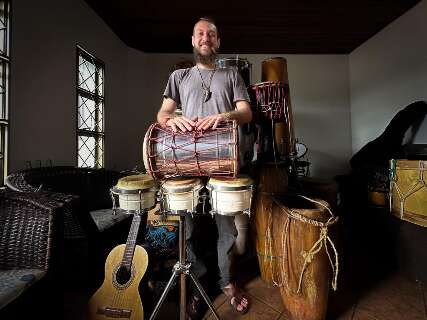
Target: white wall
388 72
43 79
319 93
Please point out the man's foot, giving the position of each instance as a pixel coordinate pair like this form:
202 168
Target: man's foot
237 300
194 308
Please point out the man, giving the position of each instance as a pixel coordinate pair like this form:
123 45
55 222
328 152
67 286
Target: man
208 96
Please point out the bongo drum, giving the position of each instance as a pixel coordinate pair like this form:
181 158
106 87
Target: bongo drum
241 65
408 190
180 195
213 152
230 196
136 193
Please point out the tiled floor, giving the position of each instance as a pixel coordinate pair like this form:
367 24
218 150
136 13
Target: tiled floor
393 298
365 293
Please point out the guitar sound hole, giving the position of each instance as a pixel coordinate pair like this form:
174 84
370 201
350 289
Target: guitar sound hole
123 275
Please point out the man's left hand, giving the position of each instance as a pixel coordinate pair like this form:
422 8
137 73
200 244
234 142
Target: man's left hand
210 121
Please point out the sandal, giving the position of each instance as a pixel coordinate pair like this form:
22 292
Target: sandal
194 308
235 297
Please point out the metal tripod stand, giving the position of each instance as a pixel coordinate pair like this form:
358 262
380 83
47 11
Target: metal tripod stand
183 269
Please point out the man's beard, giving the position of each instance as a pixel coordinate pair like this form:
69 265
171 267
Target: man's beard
205 59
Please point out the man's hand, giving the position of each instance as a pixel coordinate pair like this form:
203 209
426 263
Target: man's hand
211 121
181 123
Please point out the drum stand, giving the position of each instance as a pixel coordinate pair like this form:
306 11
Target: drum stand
183 269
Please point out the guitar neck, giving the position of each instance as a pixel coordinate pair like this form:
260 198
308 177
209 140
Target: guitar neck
131 241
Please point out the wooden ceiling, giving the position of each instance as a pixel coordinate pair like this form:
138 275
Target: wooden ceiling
276 26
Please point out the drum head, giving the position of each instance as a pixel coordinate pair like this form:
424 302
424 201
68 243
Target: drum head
136 182
241 182
182 184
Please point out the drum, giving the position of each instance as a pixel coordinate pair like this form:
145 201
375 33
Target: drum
210 153
310 258
241 65
271 107
136 192
275 69
180 195
230 196
272 179
408 190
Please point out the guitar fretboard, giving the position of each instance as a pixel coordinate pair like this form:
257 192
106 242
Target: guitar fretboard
131 241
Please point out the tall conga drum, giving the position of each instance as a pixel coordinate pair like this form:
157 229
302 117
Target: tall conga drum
272 179
275 69
309 254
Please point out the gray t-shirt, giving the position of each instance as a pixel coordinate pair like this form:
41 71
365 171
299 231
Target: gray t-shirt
185 88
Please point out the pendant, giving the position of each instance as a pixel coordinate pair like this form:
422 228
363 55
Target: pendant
208 95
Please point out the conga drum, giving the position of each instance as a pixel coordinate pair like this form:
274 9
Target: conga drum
135 192
275 69
213 152
308 253
408 190
272 180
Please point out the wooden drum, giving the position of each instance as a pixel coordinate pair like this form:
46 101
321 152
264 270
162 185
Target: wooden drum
272 179
408 190
308 254
210 153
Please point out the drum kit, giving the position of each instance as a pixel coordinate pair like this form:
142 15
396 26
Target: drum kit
176 164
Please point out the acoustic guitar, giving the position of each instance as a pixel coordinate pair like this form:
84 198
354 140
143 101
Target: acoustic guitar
118 297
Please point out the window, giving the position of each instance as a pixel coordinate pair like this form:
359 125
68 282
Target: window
4 86
90 110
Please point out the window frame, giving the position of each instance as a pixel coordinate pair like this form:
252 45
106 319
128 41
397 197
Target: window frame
99 99
5 111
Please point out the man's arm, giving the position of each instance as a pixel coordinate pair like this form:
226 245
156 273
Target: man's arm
242 114
166 117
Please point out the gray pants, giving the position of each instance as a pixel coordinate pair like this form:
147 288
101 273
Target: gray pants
227 234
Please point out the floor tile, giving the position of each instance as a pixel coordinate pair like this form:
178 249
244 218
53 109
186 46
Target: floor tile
393 298
267 294
361 314
258 311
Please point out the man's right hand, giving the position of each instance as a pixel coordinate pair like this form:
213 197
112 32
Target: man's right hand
181 123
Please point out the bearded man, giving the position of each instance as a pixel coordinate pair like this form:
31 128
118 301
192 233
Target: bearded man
208 96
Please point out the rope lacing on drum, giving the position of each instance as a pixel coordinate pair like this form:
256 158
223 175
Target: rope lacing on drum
323 241
175 166
420 184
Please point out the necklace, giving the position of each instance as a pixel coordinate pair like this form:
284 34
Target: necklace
206 88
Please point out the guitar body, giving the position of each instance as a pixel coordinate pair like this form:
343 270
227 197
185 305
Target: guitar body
118 297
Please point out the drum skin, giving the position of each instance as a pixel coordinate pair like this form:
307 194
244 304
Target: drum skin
408 190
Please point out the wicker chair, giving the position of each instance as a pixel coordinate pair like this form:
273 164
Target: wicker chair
30 246
91 186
